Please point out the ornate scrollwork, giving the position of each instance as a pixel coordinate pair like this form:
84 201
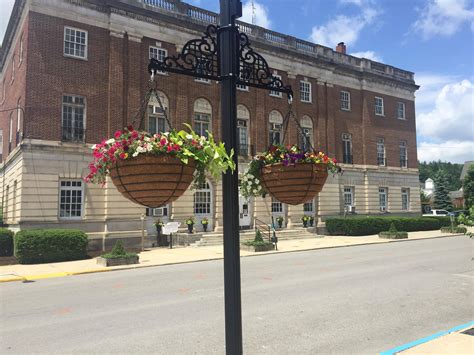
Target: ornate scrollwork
198 58
254 69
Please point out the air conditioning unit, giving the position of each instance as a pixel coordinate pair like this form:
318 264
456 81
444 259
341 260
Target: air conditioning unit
351 209
158 212
157 110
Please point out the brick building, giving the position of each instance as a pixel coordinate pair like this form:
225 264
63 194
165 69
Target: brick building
77 70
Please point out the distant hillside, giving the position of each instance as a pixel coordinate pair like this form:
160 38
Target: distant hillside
429 170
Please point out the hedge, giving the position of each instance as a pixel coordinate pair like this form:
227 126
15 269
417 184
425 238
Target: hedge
373 225
456 229
396 235
37 246
6 242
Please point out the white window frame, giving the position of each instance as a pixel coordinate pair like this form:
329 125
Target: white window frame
3 92
157 117
86 39
201 80
383 199
198 121
345 100
273 131
348 196
405 199
308 204
243 135
242 87
381 158
20 54
347 142
273 93
277 207
160 211
305 91
379 108
84 116
403 147
13 70
401 113
160 55
71 188
204 195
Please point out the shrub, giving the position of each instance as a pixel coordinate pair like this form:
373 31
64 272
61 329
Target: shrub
118 251
393 233
6 242
373 225
37 246
455 229
258 241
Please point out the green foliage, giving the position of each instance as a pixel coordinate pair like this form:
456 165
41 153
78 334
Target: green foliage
373 225
118 251
393 229
204 221
37 246
468 188
6 242
453 172
279 219
424 198
189 221
441 198
393 235
455 229
467 220
305 218
258 240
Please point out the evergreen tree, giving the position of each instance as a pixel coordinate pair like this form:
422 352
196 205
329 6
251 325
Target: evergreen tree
468 187
441 198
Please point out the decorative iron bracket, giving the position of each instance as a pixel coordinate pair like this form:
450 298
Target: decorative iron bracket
199 58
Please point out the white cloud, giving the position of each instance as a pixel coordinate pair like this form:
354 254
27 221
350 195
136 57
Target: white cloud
354 2
444 17
7 6
343 28
451 151
430 86
261 14
368 55
452 116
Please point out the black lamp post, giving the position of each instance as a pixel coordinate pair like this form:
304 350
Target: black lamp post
224 54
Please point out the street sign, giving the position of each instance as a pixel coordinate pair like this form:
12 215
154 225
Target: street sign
171 227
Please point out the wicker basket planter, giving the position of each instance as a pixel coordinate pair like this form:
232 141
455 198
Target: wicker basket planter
152 180
294 184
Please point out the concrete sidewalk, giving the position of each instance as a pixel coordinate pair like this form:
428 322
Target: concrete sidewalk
165 256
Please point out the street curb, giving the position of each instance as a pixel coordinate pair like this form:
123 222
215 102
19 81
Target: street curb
138 266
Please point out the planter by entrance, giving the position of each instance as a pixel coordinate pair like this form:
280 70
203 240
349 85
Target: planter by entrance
123 260
258 248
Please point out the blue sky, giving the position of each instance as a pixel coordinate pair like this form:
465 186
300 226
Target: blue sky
432 38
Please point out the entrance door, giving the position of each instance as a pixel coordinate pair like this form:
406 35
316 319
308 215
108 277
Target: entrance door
245 215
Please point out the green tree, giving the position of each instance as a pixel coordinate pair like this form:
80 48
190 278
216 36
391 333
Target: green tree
453 171
441 194
468 187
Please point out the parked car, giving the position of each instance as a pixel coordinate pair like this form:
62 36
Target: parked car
438 213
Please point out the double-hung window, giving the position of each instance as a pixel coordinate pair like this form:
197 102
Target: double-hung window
201 123
70 198
156 119
401 110
345 100
346 148
405 199
277 206
203 67
75 43
380 152
403 154
275 133
202 199
275 93
305 91
383 199
242 132
159 54
379 110
308 207
73 118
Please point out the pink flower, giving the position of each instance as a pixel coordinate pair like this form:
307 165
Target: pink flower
117 134
134 134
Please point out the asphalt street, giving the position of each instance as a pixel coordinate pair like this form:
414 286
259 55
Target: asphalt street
354 300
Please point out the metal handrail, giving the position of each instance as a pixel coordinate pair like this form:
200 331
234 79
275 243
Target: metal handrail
263 227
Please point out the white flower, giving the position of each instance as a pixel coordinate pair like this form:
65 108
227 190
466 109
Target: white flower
245 178
135 154
94 146
189 136
110 141
255 191
250 177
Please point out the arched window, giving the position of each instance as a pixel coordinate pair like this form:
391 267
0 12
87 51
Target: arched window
346 148
18 121
202 117
203 199
306 133
243 118
275 120
156 116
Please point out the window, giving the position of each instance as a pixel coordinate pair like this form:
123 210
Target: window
73 120
20 60
380 152
348 196
159 54
345 100
14 209
7 202
275 127
18 121
403 154
70 199
308 207
242 75
203 67
346 148
383 199
10 133
158 212
305 91
401 110
202 199
156 114
3 92
242 133
379 111
75 43
405 199
202 117
305 135
276 93
277 206
13 69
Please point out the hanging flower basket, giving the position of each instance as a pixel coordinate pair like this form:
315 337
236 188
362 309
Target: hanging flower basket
152 180
289 175
153 170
